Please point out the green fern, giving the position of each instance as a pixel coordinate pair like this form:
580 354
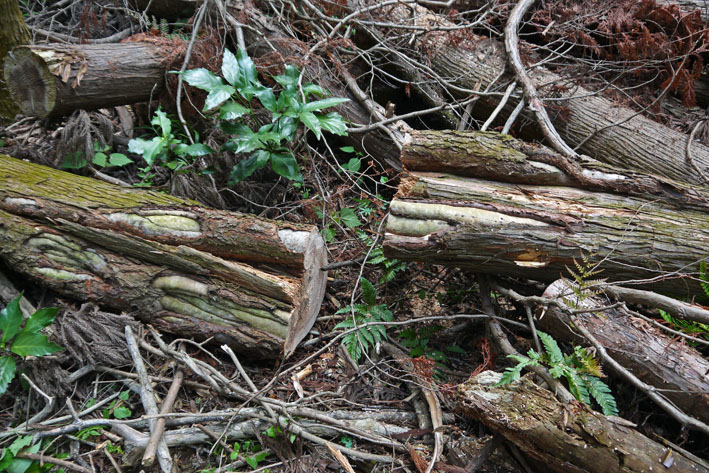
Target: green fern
582 285
695 329
703 277
359 341
580 369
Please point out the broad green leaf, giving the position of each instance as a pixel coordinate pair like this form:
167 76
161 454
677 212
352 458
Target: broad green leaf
285 165
121 412
286 127
311 121
318 105
369 294
33 344
290 78
6 459
118 159
232 111
100 159
7 372
349 218
246 67
354 165
163 122
267 99
10 319
230 68
124 395
218 96
20 443
312 89
149 149
202 79
246 167
40 319
333 122
347 149
245 140
196 149
21 465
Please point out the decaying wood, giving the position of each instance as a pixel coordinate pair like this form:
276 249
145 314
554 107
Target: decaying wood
564 438
678 371
13 32
184 268
56 79
597 126
537 230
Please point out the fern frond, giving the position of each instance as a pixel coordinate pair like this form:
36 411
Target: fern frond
551 347
577 386
586 363
601 393
703 277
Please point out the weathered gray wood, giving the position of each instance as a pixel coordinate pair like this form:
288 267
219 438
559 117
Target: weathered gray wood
56 79
187 269
564 439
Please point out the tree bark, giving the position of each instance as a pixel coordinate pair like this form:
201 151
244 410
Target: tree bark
13 32
564 439
674 368
585 119
187 269
57 79
535 229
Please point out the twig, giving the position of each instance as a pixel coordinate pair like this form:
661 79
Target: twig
679 309
530 91
513 116
500 106
147 397
688 150
165 408
54 461
48 406
112 460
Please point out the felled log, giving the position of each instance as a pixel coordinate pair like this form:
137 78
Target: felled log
188 270
56 79
564 438
602 129
13 32
674 368
536 225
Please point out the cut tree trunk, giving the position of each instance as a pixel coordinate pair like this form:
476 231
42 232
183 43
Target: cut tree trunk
599 127
13 32
186 269
565 438
56 79
677 370
537 231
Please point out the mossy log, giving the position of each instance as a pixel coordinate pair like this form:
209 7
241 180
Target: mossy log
565 438
186 269
677 370
536 225
599 127
56 79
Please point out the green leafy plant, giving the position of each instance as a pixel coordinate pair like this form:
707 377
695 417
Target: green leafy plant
695 329
166 149
232 98
251 452
360 340
580 369
101 157
22 339
117 409
25 444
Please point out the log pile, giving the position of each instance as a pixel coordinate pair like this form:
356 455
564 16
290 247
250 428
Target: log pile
186 269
